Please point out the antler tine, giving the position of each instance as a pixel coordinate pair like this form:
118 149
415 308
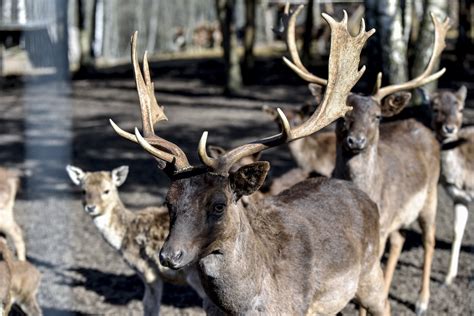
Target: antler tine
289 24
343 75
441 28
151 113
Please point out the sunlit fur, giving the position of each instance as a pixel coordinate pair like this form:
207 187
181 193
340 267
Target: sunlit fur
9 184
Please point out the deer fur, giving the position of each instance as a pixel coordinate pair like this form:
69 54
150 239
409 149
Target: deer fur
457 162
19 283
253 258
9 184
397 165
136 235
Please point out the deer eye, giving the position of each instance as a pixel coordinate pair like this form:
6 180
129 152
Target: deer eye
106 191
219 208
83 192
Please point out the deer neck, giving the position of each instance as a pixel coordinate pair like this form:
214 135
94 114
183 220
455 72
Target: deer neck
244 255
361 168
113 224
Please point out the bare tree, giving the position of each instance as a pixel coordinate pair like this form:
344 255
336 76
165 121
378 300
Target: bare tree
225 14
308 32
249 39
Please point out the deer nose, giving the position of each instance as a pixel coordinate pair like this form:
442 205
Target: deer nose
449 129
354 142
90 208
171 258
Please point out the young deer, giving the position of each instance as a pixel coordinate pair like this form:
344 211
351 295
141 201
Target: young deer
396 164
9 183
310 249
137 236
19 283
457 162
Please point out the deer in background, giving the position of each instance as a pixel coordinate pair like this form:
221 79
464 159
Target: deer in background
9 184
137 236
396 164
19 283
310 249
457 162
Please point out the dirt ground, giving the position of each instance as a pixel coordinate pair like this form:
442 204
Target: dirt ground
44 126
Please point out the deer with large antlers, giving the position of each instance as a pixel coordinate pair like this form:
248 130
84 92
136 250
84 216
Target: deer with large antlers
396 164
310 249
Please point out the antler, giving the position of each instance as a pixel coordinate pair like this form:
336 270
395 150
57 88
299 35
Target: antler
151 113
289 22
343 74
441 28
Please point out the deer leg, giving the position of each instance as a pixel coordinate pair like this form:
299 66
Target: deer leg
370 293
428 231
152 298
396 244
460 220
15 233
31 307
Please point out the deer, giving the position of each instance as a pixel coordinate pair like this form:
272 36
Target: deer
396 164
314 155
316 243
19 283
135 235
9 184
457 162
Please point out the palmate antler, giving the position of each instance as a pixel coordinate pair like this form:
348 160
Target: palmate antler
151 113
441 28
343 75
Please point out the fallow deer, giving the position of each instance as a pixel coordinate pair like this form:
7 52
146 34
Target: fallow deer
396 164
313 154
457 162
310 249
136 235
9 183
22 283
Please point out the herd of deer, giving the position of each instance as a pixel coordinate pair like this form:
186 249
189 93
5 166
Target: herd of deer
315 239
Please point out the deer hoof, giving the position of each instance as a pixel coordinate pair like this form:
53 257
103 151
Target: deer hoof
421 308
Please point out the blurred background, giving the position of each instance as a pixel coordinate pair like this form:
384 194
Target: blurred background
65 70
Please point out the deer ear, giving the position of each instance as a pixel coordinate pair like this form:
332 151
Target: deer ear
248 178
317 92
119 175
76 174
215 151
394 103
461 93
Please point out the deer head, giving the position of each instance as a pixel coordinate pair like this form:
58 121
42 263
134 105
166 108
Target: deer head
99 189
203 200
447 109
361 124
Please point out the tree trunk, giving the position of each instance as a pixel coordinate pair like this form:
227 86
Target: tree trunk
373 46
86 13
464 43
249 40
308 32
392 40
424 44
225 13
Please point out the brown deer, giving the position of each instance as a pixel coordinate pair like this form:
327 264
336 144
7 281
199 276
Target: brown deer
315 243
137 236
19 283
396 164
9 184
457 162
